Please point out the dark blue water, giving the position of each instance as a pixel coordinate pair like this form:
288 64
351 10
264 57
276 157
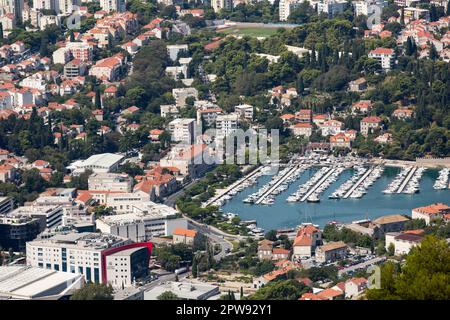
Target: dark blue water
372 205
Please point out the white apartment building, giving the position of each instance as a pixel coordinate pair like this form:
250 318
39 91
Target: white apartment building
125 202
331 7
218 5
226 124
59 6
61 55
285 8
144 221
81 50
385 56
245 111
175 49
49 215
180 95
364 7
113 5
182 130
110 181
80 253
6 205
12 6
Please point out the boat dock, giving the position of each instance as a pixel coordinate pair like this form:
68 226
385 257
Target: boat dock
357 184
275 185
407 178
232 186
317 185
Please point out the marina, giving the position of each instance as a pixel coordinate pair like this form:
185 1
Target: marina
373 204
442 180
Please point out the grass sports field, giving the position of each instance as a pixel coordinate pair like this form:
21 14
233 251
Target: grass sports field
250 31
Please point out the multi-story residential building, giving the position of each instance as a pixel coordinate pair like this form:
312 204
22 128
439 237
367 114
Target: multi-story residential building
6 205
340 140
208 114
385 56
331 7
369 124
184 236
218 5
411 13
431 212
113 5
14 7
190 160
403 242
307 239
16 230
61 55
175 49
403 113
49 215
302 129
80 50
286 7
227 124
143 221
364 7
245 111
331 251
182 130
110 181
108 69
75 68
181 94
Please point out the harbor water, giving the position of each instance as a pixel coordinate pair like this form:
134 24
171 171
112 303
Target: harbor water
282 214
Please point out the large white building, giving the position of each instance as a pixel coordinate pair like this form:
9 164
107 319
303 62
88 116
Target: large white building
81 253
110 181
227 124
144 221
59 6
218 5
12 6
182 130
98 163
365 7
113 5
286 7
331 7
386 57
174 49
49 215
31 283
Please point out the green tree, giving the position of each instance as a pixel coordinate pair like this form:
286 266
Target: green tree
425 275
94 291
168 295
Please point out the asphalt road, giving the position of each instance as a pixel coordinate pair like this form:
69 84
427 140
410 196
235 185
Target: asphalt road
215 235
362 265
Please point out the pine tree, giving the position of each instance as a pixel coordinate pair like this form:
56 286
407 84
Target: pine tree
1 32
98 101
242 293
72 36
194 267
300 85
448 9
433 53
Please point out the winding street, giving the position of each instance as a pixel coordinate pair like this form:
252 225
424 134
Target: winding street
215 235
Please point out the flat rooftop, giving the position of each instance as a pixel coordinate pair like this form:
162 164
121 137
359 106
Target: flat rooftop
24 282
